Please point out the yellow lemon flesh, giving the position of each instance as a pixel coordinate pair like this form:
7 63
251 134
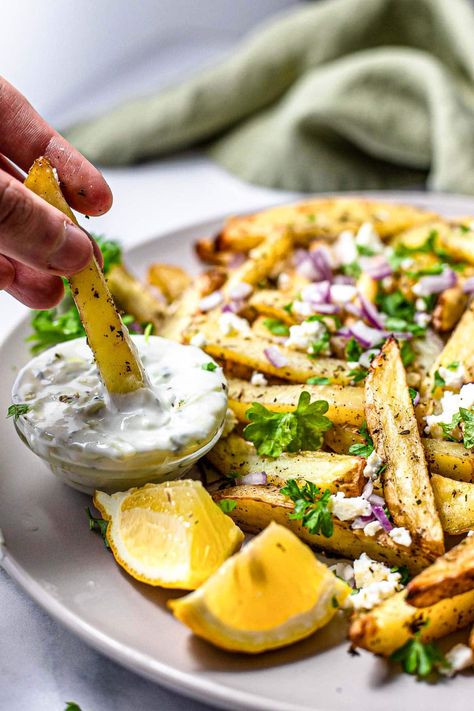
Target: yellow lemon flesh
273 593
171 534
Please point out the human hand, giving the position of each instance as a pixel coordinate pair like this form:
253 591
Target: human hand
38 244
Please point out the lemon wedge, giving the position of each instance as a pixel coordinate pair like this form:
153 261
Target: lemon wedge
271 594
171 534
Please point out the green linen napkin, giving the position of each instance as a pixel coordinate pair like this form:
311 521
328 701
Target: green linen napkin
335 95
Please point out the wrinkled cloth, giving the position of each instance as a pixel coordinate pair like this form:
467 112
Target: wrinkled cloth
336 95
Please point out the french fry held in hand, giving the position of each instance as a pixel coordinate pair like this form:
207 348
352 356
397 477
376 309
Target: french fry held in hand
114 352
234 456
257 506
389 625
346 404
450 575
392 424
455 502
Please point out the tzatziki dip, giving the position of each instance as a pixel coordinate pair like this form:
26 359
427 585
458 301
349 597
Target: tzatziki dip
93 440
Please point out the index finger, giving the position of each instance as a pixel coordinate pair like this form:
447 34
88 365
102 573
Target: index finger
24 136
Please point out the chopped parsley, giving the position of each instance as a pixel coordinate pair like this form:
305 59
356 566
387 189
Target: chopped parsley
16 411
438 382
316 380
275 432
358 374
407 353
413 394
311 507
288 308
321 345
420 658
366 449
466 417
364 251
148 331
396 305
353 270
99 525
277 327
209 366
72 706
353 350
453 366
404 573
227 505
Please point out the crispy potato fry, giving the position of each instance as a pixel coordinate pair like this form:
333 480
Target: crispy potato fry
340 437
450 575
346 404
181 314
392 424
207 249
114 352
451 459
320 218
458 242
455 502
250 351
389 625
459 348
449 309
271 303
233 455
134 298
169 279
261 259
257 506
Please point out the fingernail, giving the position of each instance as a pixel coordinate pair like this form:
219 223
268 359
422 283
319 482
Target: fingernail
74 252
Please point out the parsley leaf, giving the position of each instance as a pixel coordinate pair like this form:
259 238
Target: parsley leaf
413 393
467 416
396 305
277 327
316 380
148 331
72 706
209 366
227 505
439 382
364 251
311 507
98 524
407 353
420 658
321 345
363 450
16 411
353 350
453 366
111 252
358 374
353 270
275 432
404 573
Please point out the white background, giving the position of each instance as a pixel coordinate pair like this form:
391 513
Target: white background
72 58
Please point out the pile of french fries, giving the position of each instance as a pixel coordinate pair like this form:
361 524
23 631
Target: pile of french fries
427 480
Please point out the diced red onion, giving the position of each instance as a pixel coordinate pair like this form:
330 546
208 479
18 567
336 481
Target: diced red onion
316 292
343 279
233 307
326 308
275 357
437 283
320 260
362 521
299 257
240 291
416 399
367 357
377 500
353 309
344 332
371 313
366 336
368 489
468 286
381 517
376 267
211 301
254 478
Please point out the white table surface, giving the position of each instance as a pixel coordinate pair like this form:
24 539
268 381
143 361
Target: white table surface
43 665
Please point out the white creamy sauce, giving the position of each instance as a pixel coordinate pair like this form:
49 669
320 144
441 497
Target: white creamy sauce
72 419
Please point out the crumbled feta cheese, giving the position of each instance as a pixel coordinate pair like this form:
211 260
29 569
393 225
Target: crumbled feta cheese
198 340
453 377
368 237
211 301
258 379
342 293
344 248
470 533
401 536
343 570
352 364
304 334
374 462
241 290
422 319
302 308
450 404
372 528
459 657
231 323
229 422
375 582
348 508
420 305
283 281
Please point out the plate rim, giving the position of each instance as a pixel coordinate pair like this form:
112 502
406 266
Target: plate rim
185 683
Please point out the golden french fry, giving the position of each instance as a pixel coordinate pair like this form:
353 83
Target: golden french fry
261 259
233 455
134 298
451 459
459 348
169 279
449 309
455 502
450 575
346 404
389 625
257 506
393 426
114 352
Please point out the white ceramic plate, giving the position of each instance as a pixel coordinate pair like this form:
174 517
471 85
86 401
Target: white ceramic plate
66 569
